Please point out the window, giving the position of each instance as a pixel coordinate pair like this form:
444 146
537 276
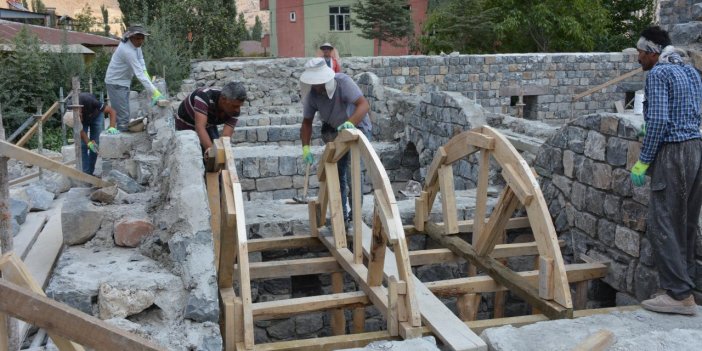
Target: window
339 18
293 17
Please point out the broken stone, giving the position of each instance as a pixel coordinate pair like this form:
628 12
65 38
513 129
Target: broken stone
80 219
130 232
124 182
38 198
105 195
122 303
19 209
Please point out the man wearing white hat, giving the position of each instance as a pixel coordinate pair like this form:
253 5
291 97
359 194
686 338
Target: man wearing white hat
127 62
331 57
340 104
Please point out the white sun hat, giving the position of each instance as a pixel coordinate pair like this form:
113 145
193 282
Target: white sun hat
68 118
317 72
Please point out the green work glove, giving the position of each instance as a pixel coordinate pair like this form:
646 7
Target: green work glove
307 154
638 173
346 125
156 97
147 75
93 146
642 131
112 130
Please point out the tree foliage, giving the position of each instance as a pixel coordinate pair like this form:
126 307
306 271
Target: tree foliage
257 30
628 19
105 20
384 20
457 25
38 6
165 54
85 21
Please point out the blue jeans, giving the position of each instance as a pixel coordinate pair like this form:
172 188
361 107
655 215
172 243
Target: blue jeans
344 180
93 129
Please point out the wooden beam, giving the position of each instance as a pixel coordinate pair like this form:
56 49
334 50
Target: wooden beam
212 181
466 226
523 191
599 341
465 144
289 268
70 323
335 206
228 250
24 155
285 308
284 242
338 320
28 135
230 323
329 343
608 83
448 199
501 274
492 231
22 179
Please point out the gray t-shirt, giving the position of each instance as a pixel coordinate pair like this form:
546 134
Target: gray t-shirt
340 107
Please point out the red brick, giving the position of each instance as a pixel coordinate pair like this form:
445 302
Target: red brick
130 232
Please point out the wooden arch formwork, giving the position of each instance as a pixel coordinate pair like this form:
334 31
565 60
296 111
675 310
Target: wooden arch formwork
378 257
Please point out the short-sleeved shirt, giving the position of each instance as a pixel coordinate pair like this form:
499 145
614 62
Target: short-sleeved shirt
340 107
91 107
202 100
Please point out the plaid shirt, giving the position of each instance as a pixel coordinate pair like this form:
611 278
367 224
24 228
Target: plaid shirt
673 96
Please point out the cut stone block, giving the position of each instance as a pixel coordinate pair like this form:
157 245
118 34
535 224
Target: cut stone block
120 145
80 219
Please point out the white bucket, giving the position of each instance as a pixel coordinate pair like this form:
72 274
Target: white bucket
638 102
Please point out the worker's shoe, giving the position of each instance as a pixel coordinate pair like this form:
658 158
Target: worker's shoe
665 304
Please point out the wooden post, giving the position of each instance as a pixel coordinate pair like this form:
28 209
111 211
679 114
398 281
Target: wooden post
9 335
338 320
40 137
77 125
62 109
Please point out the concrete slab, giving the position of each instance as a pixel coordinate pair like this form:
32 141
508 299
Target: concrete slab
635 330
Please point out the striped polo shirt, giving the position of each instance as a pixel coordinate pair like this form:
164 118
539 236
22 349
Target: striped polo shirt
203 100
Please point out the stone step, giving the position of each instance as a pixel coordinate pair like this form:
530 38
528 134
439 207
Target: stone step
287 134
269 172
270 119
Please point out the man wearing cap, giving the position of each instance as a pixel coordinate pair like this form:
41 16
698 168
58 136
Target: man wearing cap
206 108
126 62
91 117
340 104
673 149
331 57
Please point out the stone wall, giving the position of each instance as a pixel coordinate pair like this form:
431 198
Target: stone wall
548 82
673 12
595 209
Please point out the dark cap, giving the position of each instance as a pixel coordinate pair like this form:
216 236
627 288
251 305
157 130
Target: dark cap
135 29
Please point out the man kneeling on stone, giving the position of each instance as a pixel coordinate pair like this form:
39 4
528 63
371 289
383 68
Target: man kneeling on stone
340 104
206 108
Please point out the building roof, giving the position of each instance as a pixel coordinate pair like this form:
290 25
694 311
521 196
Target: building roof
53 36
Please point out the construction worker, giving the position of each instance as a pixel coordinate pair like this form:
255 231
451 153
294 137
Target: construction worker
127 62
206 108
91 117
340 104
331 57
673 150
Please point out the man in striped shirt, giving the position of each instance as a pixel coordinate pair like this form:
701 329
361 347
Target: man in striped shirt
673 149
206 108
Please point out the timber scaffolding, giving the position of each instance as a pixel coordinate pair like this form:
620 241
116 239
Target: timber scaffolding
410 307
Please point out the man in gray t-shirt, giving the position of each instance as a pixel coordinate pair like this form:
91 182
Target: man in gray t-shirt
340 104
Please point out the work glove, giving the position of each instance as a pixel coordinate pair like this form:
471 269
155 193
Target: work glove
148 76
642 131
638 173
112 130
93 146
346 125
156 97
307 154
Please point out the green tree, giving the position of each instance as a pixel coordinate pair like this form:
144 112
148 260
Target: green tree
85 21
257 30
166 54
549 25
241 27
105 20
385 20
459 25
141 11
38 6
628 19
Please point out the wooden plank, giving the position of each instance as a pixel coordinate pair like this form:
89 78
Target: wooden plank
338 320
229 159
481 194
29 231
359 320
4 337
285 242
506 205
327 155
323 200
619 106
295 267
243 262
420 211
340 151
394 318
598 341
212 181
608 83
466 226
448 199
28 135
515 183
72 324
516 283
312 212
20 180
285 308
580 300
228 250
329 343
20 154
546 278
378 246
41 257
357 199
433 170
443 323
335 205
229 332
467 143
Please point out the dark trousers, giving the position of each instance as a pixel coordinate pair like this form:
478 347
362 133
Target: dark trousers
93 129
674 211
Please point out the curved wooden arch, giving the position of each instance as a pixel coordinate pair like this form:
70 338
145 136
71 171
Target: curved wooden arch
522 189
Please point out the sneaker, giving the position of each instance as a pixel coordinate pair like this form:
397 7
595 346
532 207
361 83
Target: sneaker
666 304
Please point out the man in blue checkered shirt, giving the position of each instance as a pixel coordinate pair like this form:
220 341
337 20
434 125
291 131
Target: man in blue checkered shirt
673 149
